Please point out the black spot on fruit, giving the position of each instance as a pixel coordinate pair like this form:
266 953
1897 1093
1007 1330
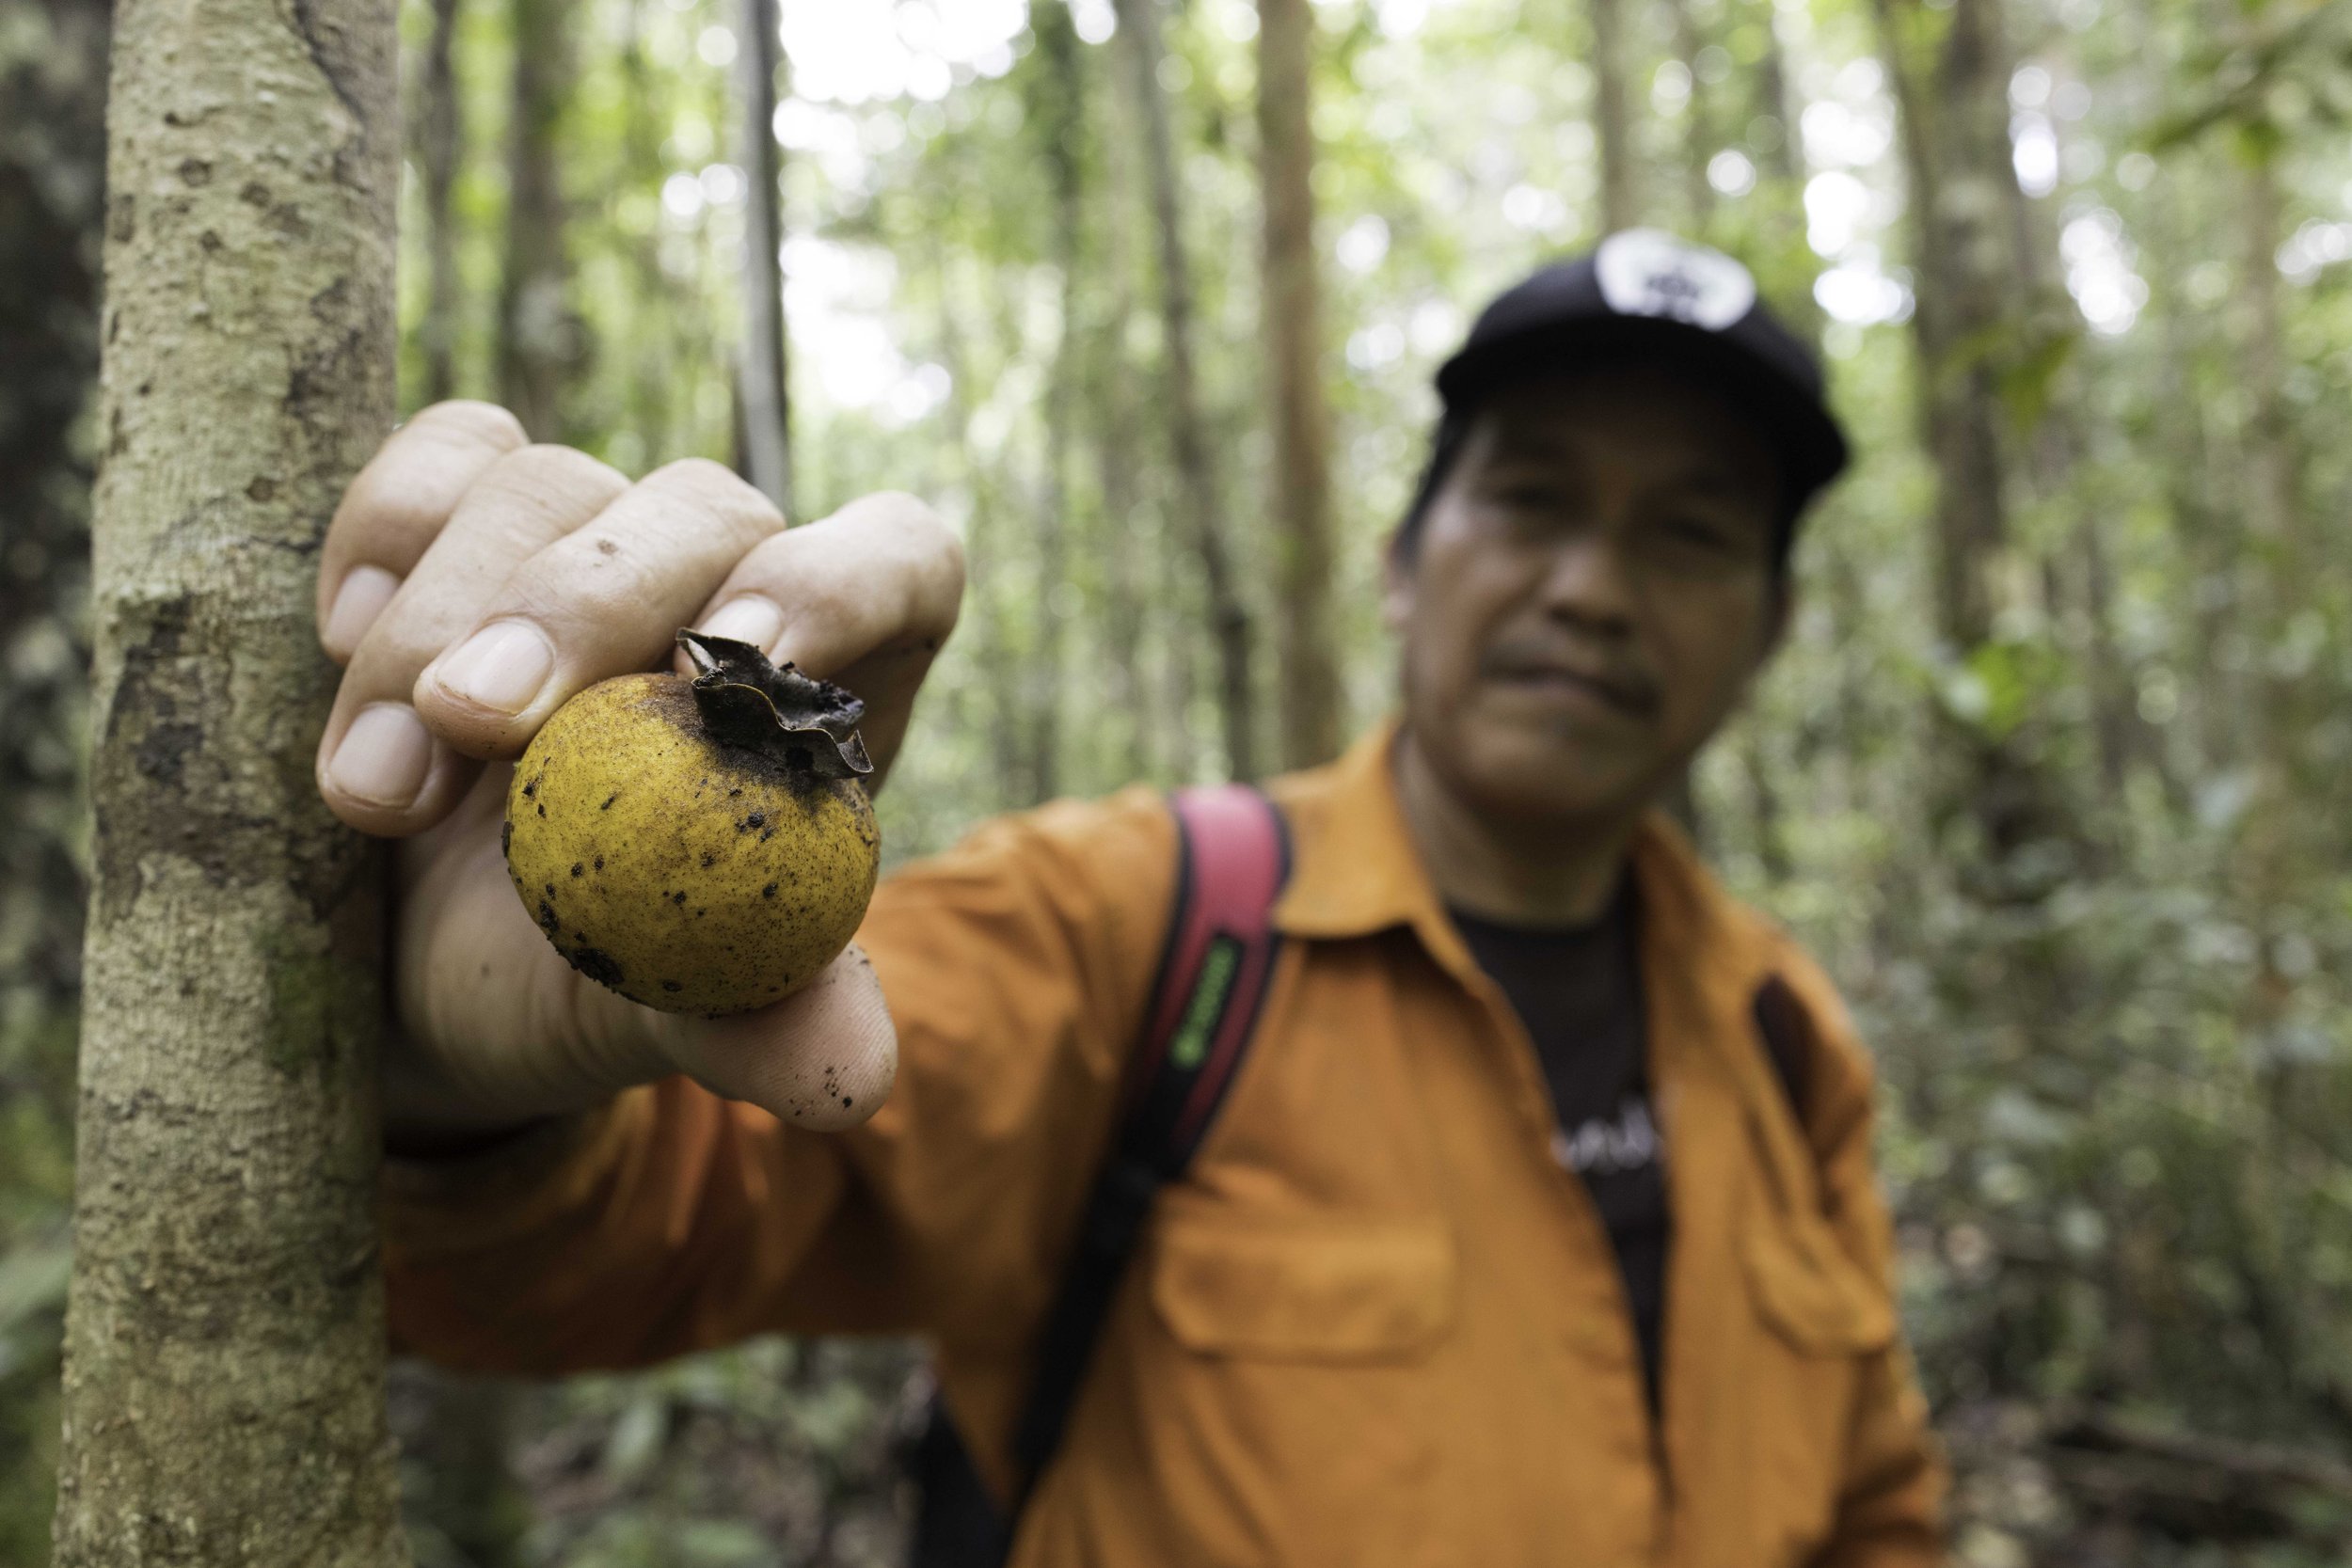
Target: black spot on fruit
709 860
543 808
671 985
756 819
531 790
600 863
598 965
768 891
506 838
608 800
579 870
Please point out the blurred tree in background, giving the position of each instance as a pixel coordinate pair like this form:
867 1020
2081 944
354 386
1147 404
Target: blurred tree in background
2050 773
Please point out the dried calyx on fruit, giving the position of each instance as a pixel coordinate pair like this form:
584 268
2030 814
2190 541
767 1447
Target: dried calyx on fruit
702 845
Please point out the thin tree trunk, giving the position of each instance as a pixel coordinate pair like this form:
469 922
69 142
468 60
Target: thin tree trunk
1062 118
650 331
1784 170
537 332
1698 139
462 1493
439 137
1612 116
225 1347
1950 75
1138 24
1293 303
761 374
1128 551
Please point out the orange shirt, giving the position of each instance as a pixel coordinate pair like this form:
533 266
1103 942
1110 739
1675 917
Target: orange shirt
1376 1324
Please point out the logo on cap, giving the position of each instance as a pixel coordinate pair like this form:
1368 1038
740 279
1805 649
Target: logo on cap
1648 272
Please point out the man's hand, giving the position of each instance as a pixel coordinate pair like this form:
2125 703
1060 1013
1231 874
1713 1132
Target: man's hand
469 584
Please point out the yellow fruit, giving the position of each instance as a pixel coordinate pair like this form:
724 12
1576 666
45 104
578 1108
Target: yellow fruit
700 845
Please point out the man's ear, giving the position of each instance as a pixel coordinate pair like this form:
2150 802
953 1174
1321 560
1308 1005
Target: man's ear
1396 583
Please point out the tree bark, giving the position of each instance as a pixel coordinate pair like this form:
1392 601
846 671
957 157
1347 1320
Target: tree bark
1138 24
538 334
1784 170
1061 118
439 137
1950 73
1132 544
1698 134
761 374
1612 116
1293 304
225 1345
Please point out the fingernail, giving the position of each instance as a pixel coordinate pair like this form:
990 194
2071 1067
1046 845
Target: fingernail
361 599
753 618
383 756
500 667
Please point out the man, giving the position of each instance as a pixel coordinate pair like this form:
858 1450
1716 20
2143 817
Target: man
1515 1242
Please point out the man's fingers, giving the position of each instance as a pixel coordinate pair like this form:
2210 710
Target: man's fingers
396 508
380 766
601 601
822 1058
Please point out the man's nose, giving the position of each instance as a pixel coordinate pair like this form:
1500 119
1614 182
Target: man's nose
1588 580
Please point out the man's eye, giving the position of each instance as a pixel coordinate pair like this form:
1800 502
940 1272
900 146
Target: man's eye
1532 497
1697 533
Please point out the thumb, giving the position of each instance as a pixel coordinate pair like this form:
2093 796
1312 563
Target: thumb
822 1058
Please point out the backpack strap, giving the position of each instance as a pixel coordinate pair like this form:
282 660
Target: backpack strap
1232 858
1780 1019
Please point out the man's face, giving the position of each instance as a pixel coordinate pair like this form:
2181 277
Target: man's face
1594 586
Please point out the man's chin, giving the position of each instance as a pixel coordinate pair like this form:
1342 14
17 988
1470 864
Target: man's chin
1534 776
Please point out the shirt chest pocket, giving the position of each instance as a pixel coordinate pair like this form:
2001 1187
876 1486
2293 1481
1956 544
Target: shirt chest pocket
1821 1317
1306 1289
1298 1394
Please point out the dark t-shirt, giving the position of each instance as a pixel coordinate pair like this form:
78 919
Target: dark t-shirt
1578 991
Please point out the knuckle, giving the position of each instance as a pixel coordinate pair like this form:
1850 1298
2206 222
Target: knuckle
715 488
485 422
542 464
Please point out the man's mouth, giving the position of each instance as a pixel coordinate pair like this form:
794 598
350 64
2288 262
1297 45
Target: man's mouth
1619 692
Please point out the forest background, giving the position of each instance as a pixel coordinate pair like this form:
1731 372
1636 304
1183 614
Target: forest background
2050 773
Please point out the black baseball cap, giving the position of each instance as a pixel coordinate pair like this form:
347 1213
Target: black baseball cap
1646 294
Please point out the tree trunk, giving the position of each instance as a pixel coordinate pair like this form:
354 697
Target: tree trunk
439 137
1612 116
1784 170
760 380
1138 24
538 335
1698 120
1311 706
1951 74
225 1344
649 328
1128 551
1061 115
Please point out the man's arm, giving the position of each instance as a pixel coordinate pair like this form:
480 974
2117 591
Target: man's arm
672 1220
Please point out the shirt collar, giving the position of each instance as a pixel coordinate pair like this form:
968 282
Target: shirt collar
1356 868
